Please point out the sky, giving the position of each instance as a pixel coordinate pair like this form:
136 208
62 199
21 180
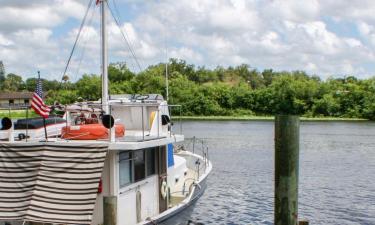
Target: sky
325 38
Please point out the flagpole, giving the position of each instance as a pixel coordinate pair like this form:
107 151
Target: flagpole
44 119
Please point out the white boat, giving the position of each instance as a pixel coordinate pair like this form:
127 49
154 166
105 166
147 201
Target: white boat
122 146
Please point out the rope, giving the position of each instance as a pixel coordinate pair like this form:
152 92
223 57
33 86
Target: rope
114 3
76 40
125 36
84 45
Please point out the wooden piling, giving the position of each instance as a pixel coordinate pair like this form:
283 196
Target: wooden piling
286 169
110 210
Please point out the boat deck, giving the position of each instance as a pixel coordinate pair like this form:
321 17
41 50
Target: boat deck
128 142
183 187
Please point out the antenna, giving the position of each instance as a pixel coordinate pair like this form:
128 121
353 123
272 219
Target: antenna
166 73
166 66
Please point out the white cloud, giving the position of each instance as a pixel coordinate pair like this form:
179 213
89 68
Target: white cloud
292 10
278 34
5 42
37 14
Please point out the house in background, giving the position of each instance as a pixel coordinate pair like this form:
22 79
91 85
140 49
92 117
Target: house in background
15 99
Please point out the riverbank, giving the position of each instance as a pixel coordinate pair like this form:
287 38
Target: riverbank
264 118
21 114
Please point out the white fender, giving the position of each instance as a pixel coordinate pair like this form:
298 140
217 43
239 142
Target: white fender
164 189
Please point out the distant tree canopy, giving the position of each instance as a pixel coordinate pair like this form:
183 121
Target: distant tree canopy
235 91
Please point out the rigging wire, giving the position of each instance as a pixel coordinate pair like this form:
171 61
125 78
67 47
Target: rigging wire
119 16
84 43
76 40
116 8
125 36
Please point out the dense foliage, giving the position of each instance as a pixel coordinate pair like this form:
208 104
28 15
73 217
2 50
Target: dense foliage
231 91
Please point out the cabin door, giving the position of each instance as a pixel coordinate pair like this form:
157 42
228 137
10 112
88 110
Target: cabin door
162 168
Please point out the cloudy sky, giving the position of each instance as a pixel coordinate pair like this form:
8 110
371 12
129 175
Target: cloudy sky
327 38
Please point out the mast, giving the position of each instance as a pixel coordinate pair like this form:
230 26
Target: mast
104 57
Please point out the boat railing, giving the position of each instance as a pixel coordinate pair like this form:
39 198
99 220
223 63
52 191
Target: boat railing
22 112
146 132
177 108
8 110
143 133
197 146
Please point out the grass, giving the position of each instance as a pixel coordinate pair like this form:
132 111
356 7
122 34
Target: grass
17 114
264 118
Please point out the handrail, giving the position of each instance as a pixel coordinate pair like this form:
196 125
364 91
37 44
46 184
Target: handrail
95 107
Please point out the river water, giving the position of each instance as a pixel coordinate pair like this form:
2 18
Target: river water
337 173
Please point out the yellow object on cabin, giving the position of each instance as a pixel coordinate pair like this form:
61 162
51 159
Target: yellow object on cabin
152 117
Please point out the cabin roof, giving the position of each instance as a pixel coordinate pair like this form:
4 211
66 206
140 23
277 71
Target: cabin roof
16 95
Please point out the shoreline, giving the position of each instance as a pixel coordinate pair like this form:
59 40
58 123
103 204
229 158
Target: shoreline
21 114
266 118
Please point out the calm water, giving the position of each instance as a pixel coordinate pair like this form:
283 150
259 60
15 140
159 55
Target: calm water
337 173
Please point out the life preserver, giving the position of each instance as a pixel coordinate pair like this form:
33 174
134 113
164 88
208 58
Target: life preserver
164 189
90 132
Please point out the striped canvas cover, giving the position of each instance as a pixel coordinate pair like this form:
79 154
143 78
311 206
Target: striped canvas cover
51 183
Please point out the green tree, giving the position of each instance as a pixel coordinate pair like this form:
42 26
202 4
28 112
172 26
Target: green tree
183 68
293 94
30 84
13 82
328 105
63 97
2 75
89 87
119 72
252 77
268 76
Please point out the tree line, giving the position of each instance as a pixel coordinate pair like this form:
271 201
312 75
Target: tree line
230 91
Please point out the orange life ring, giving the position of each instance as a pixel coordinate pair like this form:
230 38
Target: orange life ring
90 132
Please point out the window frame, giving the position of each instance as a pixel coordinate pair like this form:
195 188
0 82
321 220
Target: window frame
144 167
147 152
131 169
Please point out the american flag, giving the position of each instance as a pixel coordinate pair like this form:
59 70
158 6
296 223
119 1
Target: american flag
37 102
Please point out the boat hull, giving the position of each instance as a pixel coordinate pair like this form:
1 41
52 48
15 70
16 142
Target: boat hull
198 191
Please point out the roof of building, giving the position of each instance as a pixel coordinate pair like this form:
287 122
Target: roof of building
16 95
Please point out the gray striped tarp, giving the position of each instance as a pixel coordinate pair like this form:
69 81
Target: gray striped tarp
50 182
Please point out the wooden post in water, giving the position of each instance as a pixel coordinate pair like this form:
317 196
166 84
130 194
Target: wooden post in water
286 169
110 210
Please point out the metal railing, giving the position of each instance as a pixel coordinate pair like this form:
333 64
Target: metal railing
76 110
197 146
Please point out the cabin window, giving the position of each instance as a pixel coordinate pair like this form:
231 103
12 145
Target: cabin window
139 165
135 166
150 161
11 101
125 170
